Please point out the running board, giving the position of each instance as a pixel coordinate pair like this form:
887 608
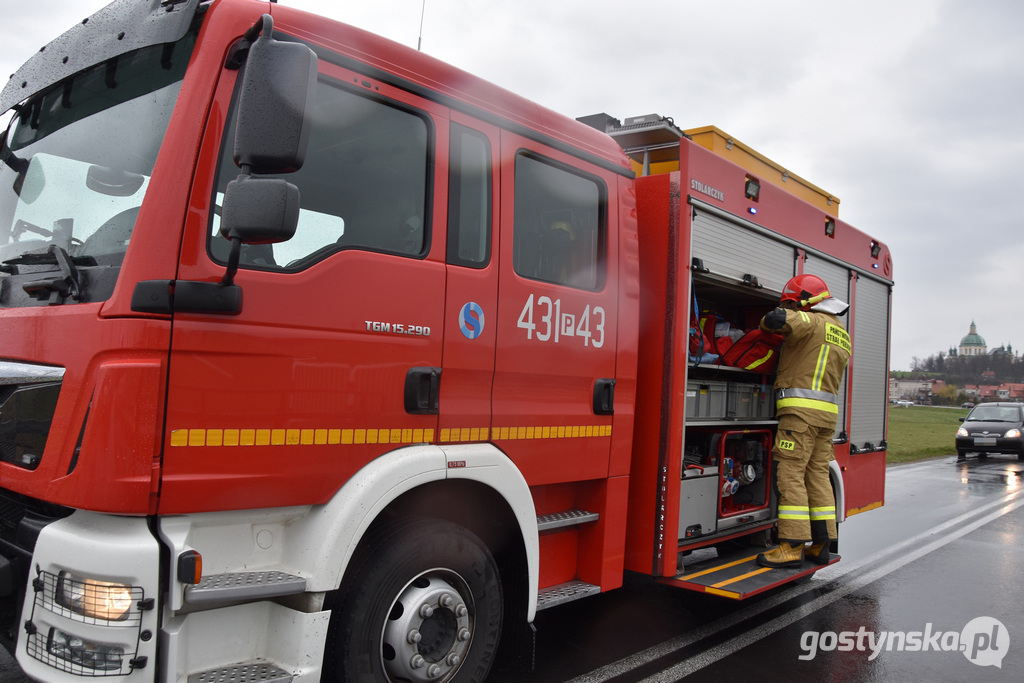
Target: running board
737 575
557 520
243 586
565 592
252 672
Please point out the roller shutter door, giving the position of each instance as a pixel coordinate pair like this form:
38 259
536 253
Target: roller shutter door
837 278
729 249
870 363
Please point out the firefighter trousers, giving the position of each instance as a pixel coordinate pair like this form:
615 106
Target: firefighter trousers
806 504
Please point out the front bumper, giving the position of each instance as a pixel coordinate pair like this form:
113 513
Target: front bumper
997 444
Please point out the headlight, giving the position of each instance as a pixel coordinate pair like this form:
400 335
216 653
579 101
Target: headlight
1012 434
962 432
92 598
85 653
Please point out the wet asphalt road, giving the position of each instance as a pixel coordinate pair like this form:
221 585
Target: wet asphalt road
945 551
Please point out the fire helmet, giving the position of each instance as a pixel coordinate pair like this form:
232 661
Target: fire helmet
805 291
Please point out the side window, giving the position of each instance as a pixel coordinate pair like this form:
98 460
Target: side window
469 198
559 228
363 184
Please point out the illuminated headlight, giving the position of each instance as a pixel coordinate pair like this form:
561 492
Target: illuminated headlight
962 432
85 653
92 598
1012 434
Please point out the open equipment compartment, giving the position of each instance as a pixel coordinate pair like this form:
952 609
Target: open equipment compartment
730 421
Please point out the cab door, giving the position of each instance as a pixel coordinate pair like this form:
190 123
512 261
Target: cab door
329 363
557 314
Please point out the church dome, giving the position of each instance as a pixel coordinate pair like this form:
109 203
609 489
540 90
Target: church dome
973 338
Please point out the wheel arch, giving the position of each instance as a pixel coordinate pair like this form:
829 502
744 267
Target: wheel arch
474 485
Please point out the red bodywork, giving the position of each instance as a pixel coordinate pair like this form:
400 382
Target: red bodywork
281 404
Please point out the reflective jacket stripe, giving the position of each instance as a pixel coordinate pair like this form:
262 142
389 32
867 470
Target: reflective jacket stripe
811 403
807 393
819 371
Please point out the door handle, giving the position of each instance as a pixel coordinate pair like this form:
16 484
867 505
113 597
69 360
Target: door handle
604 397
423 391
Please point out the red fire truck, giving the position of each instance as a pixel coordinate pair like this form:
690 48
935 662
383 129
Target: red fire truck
322 359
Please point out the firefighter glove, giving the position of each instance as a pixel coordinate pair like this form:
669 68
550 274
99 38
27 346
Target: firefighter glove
775 320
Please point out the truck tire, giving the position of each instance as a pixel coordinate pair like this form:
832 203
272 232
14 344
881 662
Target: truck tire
424 604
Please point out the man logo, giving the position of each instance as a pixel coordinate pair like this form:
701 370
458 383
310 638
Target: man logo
471 320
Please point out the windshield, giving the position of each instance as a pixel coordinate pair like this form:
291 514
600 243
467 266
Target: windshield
77 160
993 413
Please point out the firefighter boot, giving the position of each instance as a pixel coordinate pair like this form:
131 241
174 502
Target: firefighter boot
786 555
818 553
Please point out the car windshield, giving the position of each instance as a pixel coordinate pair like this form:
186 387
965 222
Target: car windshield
992 413
77 160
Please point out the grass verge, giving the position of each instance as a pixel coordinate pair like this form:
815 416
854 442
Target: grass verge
920 432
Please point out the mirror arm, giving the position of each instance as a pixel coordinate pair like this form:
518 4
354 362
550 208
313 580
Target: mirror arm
240 50
233 257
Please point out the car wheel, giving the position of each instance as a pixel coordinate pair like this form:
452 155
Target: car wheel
423 604
961 454
982 456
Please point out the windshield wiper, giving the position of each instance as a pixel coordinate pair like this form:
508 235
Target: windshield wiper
55 288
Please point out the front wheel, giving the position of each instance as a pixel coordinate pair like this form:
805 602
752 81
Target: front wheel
424 604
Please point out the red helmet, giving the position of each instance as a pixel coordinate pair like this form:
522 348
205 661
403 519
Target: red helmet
806 291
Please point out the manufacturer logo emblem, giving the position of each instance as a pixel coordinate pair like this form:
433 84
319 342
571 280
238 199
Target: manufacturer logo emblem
471 320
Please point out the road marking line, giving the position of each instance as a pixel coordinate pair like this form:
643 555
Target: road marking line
835 572
703 659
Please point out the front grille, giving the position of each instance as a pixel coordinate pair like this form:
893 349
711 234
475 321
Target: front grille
15 507
26 412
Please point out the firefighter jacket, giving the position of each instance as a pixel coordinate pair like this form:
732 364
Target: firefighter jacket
814 356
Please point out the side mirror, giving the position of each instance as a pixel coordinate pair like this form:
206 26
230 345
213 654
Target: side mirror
278 88
260 210
962 419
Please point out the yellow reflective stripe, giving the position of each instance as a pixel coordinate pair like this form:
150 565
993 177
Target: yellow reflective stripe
811 403
819 370
760 361
319 437
794 512
806 318
823 513
552 432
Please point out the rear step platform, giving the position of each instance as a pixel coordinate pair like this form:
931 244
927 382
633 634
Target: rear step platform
735 574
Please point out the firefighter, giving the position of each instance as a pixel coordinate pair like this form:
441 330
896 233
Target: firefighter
811 365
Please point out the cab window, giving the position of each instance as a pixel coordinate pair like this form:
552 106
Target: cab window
558 227
363 185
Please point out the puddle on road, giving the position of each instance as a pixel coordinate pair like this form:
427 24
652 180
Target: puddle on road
991 474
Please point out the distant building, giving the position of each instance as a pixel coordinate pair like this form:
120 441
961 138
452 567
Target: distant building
973 344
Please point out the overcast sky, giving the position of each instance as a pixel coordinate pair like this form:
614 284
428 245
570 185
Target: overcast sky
910 111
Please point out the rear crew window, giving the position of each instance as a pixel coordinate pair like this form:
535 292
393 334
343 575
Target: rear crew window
363 185
559 226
